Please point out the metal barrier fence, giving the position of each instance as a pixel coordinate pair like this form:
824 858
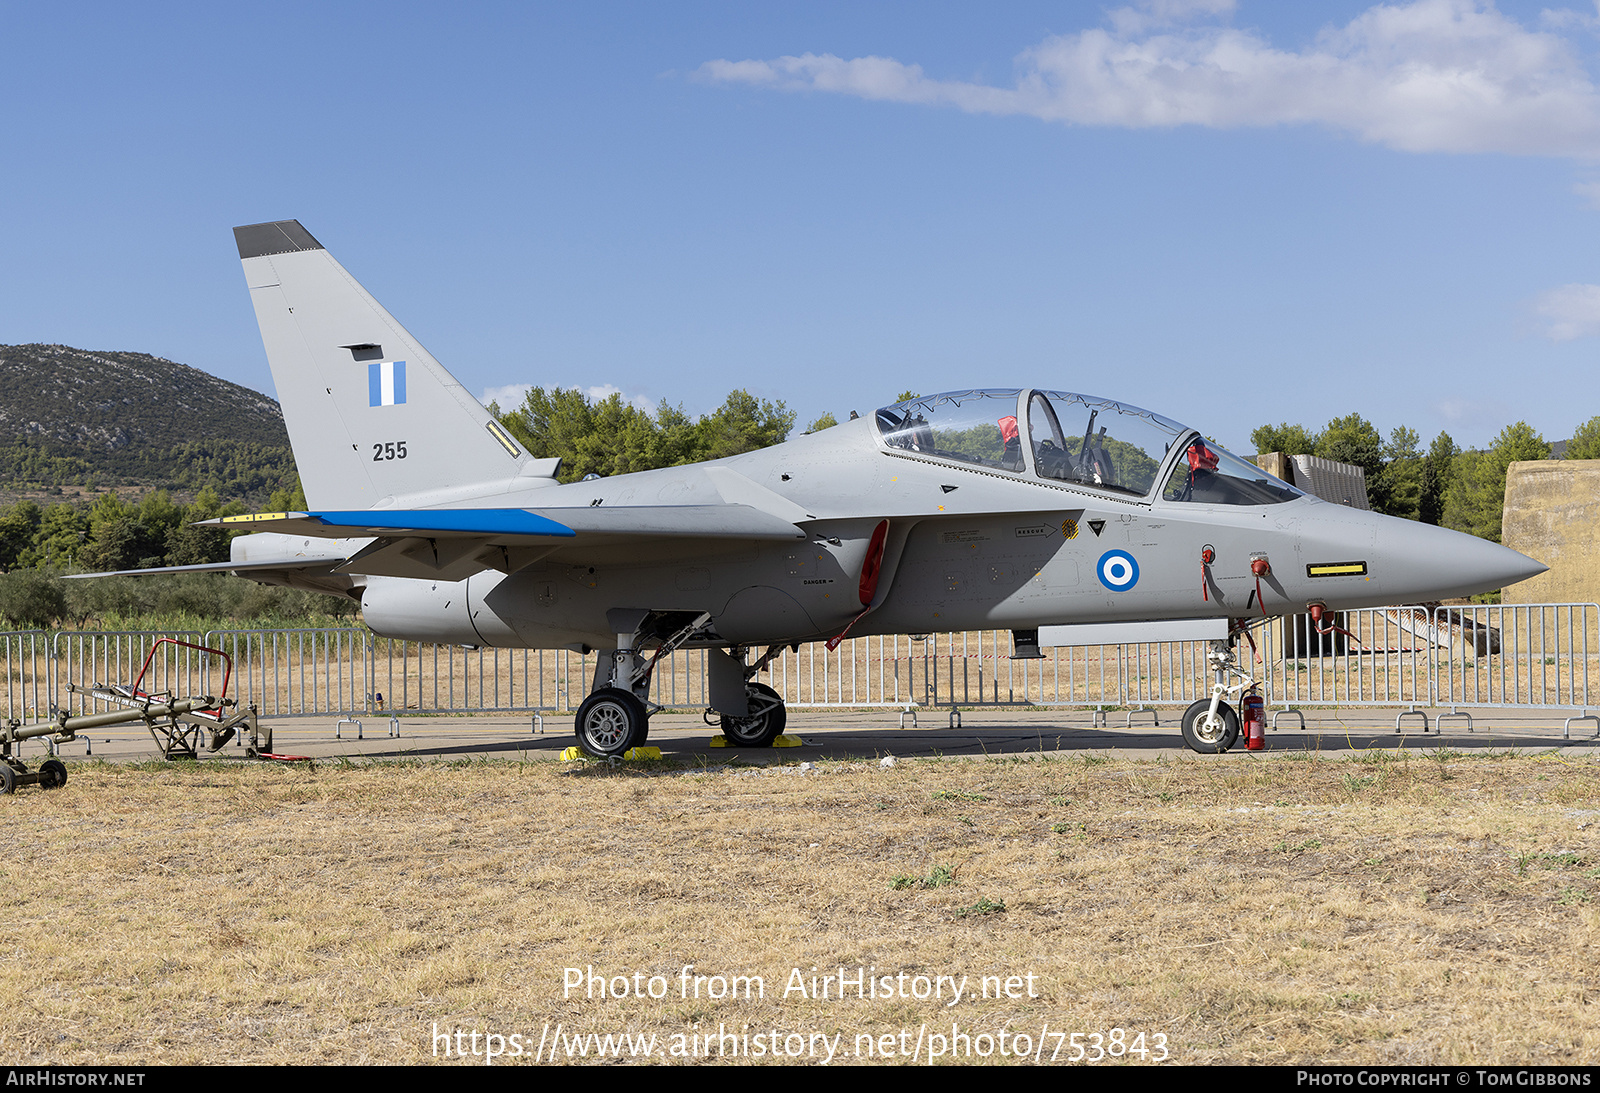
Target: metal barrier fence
408 675
1555 657
1538 655
877 671
87 657
1387 657
287 672
1534 655
29 693
976 669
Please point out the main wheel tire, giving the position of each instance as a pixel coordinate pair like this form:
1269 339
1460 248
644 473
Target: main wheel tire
760 729
1210 738
52 774
610 721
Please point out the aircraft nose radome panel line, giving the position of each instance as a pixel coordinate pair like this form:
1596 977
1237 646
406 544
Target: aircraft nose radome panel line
1061 516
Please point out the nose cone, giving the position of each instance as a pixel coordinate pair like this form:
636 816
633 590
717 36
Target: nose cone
1423 563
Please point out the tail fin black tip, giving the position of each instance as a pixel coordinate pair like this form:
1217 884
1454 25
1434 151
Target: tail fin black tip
279 237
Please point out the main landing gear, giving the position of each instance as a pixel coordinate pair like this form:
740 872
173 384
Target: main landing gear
750 714
616 715
611 721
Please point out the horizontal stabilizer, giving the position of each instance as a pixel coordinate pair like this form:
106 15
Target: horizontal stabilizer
214 567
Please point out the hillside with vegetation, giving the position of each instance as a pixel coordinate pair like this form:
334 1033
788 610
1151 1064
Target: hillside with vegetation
73 422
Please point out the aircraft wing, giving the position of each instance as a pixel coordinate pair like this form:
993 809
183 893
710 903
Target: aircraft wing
452 544
527 525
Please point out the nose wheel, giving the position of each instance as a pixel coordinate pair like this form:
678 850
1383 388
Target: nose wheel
1208 733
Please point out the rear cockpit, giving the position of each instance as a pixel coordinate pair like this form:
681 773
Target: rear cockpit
1077 442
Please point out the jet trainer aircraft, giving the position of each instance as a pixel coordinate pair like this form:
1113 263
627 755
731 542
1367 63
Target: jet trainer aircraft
1063 517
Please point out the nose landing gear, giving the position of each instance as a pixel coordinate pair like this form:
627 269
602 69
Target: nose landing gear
1211 726
1209 731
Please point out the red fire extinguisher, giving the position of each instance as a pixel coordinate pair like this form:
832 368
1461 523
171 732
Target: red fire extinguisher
1255 723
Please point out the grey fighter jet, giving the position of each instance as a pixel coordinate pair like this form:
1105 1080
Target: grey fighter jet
1065 518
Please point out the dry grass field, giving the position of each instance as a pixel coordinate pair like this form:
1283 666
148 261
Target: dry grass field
1400 908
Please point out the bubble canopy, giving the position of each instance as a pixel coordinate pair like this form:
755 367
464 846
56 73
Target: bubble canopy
1076 440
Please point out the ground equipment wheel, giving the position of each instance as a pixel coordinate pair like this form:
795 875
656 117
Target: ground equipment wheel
52 774
610 721
766 721
8 778
1207 736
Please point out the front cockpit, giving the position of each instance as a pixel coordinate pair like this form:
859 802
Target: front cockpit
1076 442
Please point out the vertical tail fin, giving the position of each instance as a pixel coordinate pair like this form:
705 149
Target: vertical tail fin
371 415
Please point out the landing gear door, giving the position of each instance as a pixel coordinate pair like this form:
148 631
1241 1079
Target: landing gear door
725 674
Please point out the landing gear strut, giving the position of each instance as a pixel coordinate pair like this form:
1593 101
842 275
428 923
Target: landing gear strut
616 715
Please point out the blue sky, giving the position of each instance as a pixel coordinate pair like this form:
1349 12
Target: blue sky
1230 213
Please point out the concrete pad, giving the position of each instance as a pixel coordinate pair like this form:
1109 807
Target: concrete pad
868 734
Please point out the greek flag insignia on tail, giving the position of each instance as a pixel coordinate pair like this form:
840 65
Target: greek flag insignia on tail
386 383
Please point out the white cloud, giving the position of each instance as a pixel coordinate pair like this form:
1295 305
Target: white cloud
1471 417
1589 191
509 397
601 392
1428 76
1571 311
1565 18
